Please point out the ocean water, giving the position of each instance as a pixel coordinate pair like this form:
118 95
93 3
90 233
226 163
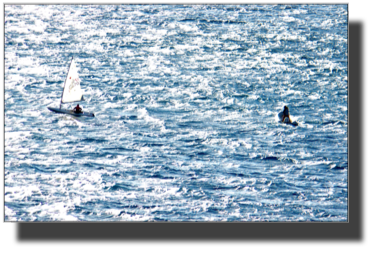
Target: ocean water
186 101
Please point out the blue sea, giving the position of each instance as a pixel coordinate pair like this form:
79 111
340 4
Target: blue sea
186 101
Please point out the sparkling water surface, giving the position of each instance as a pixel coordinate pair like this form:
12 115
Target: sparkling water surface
186 99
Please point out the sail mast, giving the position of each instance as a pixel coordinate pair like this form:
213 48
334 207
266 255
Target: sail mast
71 90
64 84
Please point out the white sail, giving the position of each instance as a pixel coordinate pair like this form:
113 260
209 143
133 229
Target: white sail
71 91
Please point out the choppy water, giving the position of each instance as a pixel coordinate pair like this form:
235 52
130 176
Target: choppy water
186 101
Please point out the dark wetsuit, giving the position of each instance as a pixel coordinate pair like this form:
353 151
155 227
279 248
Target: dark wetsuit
286 114
77 109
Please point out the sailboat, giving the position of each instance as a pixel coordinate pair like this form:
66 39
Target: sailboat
71 93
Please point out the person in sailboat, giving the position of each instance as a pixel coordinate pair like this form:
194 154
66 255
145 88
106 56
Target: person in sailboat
285 114
77 109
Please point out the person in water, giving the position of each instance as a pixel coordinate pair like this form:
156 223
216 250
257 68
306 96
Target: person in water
285 114
77 109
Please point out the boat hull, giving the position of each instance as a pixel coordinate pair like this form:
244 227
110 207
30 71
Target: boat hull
70 112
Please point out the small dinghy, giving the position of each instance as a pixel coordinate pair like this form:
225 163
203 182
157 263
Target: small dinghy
71 93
